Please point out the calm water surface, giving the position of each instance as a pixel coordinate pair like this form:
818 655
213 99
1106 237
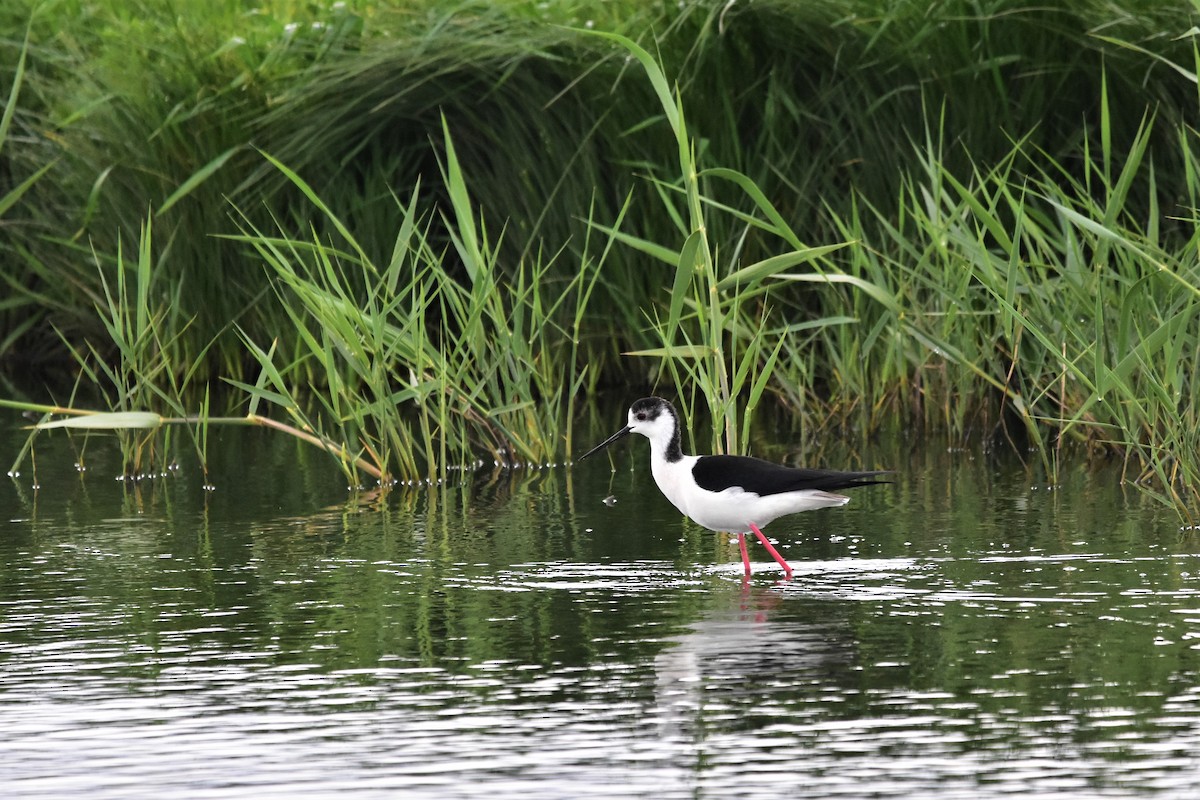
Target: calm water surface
965 632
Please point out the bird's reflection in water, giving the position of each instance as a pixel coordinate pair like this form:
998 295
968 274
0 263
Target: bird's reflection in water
744 664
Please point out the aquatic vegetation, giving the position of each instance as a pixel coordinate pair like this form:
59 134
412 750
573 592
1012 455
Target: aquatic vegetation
718 349
418 369
419 234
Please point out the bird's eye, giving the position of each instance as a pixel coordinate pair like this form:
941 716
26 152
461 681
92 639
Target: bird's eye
641 417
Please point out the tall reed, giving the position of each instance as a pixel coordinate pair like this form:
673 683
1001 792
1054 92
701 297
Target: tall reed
139 385
415 370
713 341
1044 288
18 308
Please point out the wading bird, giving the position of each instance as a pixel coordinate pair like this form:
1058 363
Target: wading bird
734 494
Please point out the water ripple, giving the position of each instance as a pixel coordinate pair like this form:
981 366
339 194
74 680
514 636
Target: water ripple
934 646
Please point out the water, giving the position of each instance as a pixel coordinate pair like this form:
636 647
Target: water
966 632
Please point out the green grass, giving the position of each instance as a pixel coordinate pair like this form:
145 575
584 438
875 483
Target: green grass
978 219
422 372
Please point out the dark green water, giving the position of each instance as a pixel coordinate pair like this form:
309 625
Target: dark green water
965 632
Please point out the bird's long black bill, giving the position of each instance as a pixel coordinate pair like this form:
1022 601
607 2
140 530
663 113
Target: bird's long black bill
618 435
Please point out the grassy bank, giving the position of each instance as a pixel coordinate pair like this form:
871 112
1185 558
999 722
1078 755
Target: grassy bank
423 232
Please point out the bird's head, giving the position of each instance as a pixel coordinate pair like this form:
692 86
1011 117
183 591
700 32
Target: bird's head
652 417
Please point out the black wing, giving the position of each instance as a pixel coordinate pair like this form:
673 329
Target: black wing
716 473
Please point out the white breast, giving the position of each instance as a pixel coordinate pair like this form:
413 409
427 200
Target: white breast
674 479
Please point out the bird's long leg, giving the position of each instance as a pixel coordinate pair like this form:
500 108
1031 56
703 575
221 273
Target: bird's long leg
787 570
745 555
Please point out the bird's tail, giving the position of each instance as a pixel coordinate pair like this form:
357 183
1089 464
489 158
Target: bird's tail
829 479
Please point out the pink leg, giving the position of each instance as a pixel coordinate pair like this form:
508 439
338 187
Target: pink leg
787 570
745 555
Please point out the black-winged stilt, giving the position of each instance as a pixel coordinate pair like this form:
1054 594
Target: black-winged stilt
734 494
